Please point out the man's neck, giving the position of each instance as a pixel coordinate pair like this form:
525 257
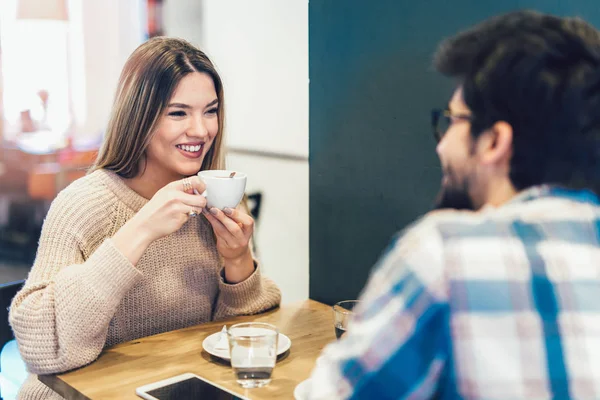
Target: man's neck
500 192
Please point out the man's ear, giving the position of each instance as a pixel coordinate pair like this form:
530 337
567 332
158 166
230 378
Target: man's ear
495 145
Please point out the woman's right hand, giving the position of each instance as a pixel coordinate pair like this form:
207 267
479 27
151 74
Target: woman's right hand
164 214
170 208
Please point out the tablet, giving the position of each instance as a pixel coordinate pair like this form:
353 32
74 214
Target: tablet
186 386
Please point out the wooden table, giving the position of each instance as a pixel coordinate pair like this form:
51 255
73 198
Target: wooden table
122 368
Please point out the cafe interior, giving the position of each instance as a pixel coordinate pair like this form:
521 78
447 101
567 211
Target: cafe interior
322 99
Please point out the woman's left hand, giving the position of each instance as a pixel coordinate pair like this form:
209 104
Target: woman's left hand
233 229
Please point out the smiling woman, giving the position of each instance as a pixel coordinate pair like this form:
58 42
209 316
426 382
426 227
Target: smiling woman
183 136
170 89
124 252
202 117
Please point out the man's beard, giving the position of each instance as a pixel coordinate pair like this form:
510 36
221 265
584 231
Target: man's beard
454 197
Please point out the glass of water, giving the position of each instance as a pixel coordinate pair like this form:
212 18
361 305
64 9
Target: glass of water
253 352
342 313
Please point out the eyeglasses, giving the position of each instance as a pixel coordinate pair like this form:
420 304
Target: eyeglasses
442 119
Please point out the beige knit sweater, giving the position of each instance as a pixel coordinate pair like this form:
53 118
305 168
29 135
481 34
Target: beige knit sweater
83 295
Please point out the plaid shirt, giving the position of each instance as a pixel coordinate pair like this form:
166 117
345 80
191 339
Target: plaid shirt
503 303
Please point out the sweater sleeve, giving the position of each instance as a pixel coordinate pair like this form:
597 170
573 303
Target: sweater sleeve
61 316
252 296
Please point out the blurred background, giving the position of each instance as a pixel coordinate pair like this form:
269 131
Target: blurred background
59 65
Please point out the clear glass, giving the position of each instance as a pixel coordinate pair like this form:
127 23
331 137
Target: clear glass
253 351
342 312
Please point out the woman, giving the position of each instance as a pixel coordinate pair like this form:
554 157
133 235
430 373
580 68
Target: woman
124 251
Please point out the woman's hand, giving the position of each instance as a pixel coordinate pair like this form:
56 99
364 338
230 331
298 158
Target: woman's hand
164 214
170 207
233 229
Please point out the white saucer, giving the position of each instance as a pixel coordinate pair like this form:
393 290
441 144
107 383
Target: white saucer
283 344
301 390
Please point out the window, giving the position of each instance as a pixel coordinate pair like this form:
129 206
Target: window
38 72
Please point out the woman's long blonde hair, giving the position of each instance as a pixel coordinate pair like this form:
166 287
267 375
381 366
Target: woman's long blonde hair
146 85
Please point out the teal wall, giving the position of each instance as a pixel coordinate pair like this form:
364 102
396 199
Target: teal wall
373 167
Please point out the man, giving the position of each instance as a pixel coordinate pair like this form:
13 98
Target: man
500 300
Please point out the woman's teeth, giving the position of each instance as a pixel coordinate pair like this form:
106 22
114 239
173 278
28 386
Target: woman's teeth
191 149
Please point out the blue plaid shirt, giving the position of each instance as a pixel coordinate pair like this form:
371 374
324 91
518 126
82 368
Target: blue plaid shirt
503 303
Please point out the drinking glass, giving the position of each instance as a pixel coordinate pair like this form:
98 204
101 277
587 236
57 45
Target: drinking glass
342 312
253 352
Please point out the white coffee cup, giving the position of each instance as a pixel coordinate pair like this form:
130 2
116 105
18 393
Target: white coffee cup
221 190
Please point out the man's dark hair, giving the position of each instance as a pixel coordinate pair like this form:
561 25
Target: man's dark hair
540 74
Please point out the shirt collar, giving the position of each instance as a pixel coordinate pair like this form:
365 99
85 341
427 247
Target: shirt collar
542 191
